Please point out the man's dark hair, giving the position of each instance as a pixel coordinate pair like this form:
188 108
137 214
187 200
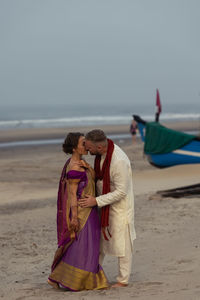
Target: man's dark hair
96 135
71 142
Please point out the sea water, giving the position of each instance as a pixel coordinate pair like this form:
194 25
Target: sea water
68 115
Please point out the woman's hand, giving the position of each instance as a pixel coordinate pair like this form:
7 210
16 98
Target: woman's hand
84 164
74 224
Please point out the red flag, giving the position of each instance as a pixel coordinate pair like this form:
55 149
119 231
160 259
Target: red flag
158 103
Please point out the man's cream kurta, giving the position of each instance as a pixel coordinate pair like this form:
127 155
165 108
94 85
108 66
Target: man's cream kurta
121 201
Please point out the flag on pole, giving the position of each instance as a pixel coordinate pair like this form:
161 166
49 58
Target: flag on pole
158 103
158 106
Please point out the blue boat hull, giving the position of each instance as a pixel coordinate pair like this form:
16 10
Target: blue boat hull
189 154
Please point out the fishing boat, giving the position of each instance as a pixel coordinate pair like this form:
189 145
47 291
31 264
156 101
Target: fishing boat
165 147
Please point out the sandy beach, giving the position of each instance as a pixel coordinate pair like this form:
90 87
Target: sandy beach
166 251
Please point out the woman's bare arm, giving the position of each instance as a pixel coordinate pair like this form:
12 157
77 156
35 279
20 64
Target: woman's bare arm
73 187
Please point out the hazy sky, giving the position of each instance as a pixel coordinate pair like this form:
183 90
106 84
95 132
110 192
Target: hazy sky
116 51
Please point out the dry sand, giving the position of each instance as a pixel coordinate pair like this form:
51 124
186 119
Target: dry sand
166 257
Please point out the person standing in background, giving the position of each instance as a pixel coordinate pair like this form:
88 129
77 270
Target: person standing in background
133 130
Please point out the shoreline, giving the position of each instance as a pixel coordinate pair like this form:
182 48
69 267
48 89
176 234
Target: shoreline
29 134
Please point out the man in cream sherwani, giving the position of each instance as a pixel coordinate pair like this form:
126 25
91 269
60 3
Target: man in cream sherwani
121 201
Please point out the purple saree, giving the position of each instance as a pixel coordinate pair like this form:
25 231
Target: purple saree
76 262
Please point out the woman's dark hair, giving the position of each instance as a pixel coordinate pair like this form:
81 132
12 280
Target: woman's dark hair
71 142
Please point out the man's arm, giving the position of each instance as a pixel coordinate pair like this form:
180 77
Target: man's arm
120 178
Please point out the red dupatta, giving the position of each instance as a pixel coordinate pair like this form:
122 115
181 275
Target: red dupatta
104 175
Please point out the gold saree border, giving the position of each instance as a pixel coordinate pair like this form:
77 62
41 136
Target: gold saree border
78 279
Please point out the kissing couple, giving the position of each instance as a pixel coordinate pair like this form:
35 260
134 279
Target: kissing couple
95 214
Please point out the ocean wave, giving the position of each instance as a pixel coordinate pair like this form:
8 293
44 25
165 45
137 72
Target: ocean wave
59 122
91 120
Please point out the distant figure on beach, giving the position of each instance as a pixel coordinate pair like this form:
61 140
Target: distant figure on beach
133 130
114 185
76 262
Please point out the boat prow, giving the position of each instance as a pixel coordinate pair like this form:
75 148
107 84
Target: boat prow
165 147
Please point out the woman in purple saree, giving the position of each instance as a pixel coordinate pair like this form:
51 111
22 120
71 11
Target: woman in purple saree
76 262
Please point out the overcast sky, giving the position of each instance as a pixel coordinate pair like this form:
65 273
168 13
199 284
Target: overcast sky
116 51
